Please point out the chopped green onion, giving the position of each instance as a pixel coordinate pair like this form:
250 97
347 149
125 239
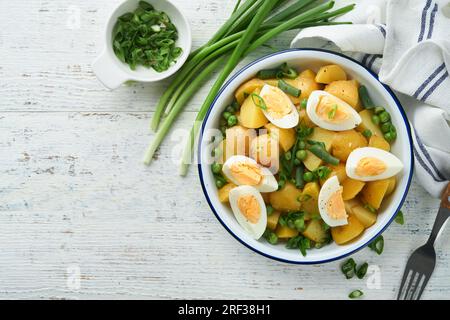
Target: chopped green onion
370 208
386 127
322 172
260 103
226 115
399 218
269 209
288 156
281 184
362 270
271 237
348 268
377 245
355 294
301 145
287 88
332 112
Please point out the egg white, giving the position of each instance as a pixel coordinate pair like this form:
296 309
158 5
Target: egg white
393 164
288 121
328 189
352 122
268 183
255 230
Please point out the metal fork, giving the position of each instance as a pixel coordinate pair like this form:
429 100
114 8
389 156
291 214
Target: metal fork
421 264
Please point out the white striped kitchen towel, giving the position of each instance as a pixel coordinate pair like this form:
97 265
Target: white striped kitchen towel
407 42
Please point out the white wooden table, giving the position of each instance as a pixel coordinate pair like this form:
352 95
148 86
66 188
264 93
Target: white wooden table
82 218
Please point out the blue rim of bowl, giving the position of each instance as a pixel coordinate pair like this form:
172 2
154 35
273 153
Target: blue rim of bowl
405 120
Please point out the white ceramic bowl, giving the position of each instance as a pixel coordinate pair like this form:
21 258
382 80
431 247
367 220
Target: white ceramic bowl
382 96
112 72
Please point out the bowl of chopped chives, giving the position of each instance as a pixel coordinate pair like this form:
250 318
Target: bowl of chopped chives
145 41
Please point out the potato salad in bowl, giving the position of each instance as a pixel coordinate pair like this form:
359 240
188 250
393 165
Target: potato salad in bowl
305 159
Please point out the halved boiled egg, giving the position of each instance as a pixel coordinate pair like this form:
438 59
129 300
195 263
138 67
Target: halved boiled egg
331 204
249 209
279 109
330 112
242 170
370 164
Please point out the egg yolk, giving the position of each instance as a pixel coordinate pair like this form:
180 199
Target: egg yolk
369 167
330 110
249 207
246 173
277 103
336 206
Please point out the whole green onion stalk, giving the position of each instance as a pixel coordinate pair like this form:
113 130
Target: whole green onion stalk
248 27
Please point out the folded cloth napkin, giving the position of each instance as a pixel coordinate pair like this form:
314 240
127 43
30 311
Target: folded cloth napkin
407 42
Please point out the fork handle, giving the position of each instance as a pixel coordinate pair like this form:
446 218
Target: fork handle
442 216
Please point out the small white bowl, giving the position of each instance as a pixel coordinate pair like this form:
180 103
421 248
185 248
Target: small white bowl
382 96
112 72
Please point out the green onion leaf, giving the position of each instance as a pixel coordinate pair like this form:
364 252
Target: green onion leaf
362 270
348 268
355 294
399 218
332 112
258 101
377 245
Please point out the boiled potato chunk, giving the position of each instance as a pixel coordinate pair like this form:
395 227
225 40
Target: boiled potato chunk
380 143
304 120
239 138
248 88
285 232
345 142
310 198
374 192
351 188
286 198
252 116
266 151
308 73
224 192
350 204
306 85
366 217
348 232
346 90
285 137
315 231
312 162
330 73
338 171
391 187
272 220
367 124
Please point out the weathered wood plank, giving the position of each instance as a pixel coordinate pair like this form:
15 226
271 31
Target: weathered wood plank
73 193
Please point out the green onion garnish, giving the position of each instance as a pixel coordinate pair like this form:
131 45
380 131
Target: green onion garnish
332 112
355 294
287 88
399 218
377 245
258 101
348 268
146 37
362 270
